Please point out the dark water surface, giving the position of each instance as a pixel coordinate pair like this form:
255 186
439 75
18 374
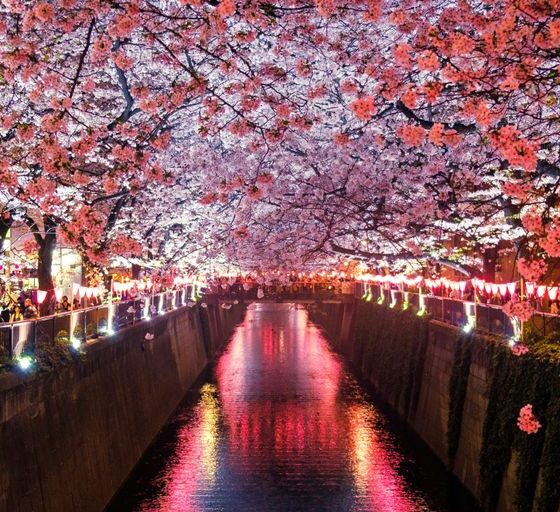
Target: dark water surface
280 424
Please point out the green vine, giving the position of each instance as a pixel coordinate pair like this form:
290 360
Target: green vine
516 381
393 353
50 355
458 384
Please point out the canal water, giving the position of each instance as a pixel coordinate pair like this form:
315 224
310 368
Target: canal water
280 424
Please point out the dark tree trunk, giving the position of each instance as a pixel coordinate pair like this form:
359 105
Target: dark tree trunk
44 265
490 256
6 221
47 246
136 269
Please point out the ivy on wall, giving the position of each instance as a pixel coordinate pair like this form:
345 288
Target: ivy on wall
394 347
533 378
458 384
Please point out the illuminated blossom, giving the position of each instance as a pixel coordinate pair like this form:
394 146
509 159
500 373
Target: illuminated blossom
527 421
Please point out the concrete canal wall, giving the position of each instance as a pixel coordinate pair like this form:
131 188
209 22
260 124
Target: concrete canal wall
69 438
461 394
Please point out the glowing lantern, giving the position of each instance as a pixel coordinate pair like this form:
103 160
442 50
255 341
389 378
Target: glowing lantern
41 296
503 289
495 288
58 293
541 290
75 288
487 287
552 292
511 287
82 291
462 286
530 289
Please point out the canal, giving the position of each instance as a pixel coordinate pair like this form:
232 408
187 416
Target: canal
281 424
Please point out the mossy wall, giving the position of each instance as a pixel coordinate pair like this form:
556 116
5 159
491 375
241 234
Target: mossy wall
71 436
462 394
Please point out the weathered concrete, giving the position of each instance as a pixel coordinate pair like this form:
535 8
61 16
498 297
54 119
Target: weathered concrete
70 438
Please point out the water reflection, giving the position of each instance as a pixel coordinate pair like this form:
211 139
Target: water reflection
280 426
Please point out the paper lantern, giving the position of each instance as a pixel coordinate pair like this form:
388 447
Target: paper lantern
41 296
480 284
487 287
495 288
462 286
530 289
541 290
511 287
82 291
503 289
552 292
75 288
58 293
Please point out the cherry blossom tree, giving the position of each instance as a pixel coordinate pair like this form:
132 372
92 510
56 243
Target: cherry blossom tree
285 134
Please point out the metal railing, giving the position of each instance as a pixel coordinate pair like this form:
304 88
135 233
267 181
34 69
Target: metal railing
85 324
487 318
293 291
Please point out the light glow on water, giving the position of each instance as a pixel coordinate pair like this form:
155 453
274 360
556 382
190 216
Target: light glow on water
281 425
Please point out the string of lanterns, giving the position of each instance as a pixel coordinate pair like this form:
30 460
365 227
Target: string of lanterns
482 286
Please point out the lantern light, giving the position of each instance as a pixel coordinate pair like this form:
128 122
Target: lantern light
552 292
75 288
541 290
58 293
25 362
41 296
530 289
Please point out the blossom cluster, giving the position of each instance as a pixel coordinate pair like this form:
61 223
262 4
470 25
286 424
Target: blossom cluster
518 349
532 270
522 310
527 421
